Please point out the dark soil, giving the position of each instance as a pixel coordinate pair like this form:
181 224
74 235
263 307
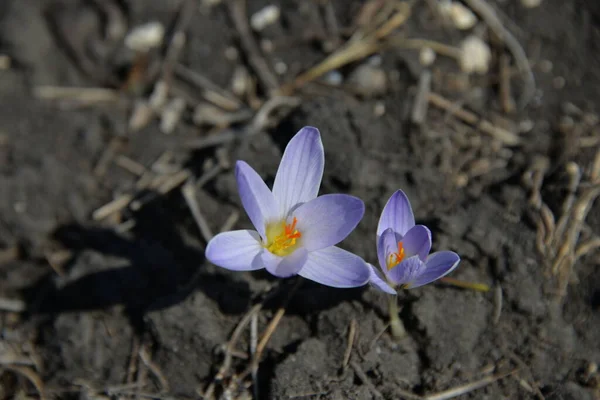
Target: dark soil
131 298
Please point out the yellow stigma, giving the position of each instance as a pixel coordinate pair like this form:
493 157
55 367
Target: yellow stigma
282 238
396 258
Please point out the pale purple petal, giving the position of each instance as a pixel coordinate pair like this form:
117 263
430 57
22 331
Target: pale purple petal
417 241
407 271
386 245
300 171
437 265
327 220
257 199
397 214
235 250
335 267
284 267
377 280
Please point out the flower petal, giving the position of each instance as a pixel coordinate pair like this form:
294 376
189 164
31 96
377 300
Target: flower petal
387 244
335 267
417 241
377 280
437 265
257 199
327 220
407 271
235 250
300 171
397 214
284 267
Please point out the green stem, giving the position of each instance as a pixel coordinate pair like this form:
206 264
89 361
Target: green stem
398 331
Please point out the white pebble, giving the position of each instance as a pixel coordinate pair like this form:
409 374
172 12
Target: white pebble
368 81
427 56
462 17
475 55
334 78
146 37
280 67
264 17
379 109
240 82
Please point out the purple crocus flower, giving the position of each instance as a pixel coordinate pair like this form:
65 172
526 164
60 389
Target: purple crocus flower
296 231
403 250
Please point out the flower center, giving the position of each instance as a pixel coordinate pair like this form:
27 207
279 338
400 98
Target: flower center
282 238
395 258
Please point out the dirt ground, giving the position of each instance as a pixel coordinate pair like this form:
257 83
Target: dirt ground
104 289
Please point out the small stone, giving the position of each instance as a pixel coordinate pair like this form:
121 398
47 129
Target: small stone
462 17
368 80
280 67
231 53
146 37
334 78
240 81
427 56
475 55
559 82
526 126
379 109
264 17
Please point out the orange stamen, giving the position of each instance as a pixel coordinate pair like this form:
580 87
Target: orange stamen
285 239
396 258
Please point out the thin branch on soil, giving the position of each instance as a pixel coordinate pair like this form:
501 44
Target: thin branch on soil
268 79
377 337
479 287
535 388
210 91
173 50
30 375
365 379
269 330
189 194
351 338
159 185
420 107
146 358
489 16
399 42
130 165
253 348
262 119
107 157
366 41
506 99
133 360
467 388
505 136
230 349
83 96
230 221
